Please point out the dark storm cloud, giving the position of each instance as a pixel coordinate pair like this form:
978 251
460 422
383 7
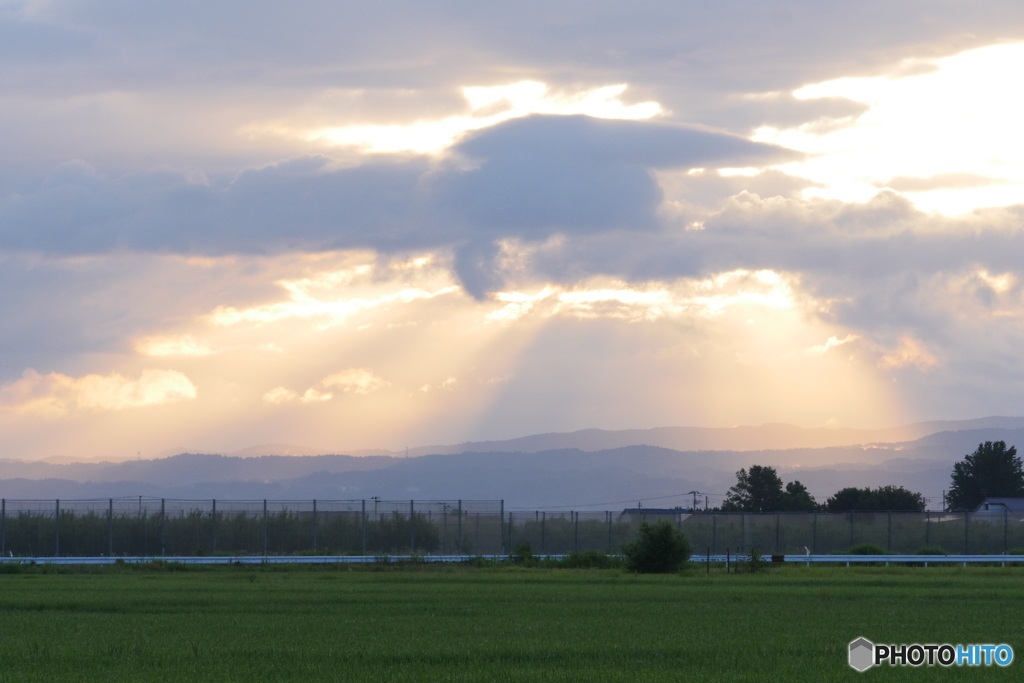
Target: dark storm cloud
697 58
532 177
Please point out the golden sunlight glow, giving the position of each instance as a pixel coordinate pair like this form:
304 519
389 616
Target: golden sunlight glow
303 304
607 298
950 138
488 106
54 394
355 380
185 345
370 352
909 352
833 342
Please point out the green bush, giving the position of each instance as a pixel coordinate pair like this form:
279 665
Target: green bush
865 549
523 554
931 550
590 559
657 549
756 564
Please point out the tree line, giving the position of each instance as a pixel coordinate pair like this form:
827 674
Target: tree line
991 471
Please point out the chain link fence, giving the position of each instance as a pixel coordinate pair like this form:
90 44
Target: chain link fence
147 527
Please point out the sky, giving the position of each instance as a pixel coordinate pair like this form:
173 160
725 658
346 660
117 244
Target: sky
387 224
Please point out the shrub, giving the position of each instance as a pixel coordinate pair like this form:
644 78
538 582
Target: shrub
755 565
865 549
590 559
523 554
658 549
931 550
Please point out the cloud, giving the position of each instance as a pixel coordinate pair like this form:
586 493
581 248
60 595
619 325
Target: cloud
185 345
352 380
832 342
279 395
961 100
909 352
652 300
532 176
355 380
330 298
489 106
315 396
54 394
940 181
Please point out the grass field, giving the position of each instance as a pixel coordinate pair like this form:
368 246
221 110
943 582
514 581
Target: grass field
499 624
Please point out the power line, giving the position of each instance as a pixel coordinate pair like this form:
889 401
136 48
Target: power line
610 502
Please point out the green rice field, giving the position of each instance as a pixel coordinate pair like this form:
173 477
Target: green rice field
454 623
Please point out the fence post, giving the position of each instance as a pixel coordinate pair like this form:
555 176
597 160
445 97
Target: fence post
444 528
851 528
889 543
412 527
163 529
363 525
502 518
314 525
967 533
714 533
459 544
576 534
3 526
609 513
543 546
213 533
1006 530
264 527
510 523
743 531
778 530
56 519
814 535
927 527
110 529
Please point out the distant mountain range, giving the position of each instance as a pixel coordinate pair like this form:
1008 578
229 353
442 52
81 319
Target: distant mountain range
592 468
773 436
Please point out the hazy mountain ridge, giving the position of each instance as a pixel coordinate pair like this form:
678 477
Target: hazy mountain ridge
560 477
187 468
772 436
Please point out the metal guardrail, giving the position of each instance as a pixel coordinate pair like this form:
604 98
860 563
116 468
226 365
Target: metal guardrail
367 559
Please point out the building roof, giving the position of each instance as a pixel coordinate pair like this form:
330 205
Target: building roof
654 511
1011 504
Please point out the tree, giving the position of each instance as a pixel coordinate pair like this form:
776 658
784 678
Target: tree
895 498
657 549
991 470
759 490
796 498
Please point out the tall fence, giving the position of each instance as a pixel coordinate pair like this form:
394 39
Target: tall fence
166 527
